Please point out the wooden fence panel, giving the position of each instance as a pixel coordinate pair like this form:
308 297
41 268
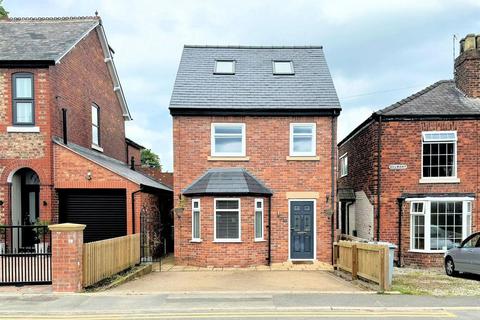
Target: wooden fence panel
102 259
368 261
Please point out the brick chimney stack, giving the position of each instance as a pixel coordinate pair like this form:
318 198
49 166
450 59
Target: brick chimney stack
467 66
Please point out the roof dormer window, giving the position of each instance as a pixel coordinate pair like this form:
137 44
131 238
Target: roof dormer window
283 67
224 67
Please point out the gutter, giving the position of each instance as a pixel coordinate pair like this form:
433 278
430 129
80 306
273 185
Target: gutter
379 173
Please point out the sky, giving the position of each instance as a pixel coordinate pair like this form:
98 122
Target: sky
378 51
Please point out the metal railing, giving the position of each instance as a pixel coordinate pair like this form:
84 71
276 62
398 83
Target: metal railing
25 255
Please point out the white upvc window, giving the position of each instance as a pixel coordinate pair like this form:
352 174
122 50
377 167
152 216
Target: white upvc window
303 139
439 155
228 139
196 235
436 225
95 125
283 67
224 67
258 225
344 165
227 220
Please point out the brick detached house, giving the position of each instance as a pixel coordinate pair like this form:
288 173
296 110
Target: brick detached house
254 132
409 173
63 153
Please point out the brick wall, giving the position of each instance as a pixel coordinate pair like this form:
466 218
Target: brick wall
401 144
157 174
267 146
32 150
467 72
82 78
71 171
67 259
133 152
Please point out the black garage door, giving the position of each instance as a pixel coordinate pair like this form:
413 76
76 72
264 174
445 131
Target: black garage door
103 211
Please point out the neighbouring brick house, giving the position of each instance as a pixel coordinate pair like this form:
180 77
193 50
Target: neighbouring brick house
254 132
63 152
409 173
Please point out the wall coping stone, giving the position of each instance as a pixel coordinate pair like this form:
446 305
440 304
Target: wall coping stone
67 227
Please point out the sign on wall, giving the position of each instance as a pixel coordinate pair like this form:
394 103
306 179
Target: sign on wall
397 166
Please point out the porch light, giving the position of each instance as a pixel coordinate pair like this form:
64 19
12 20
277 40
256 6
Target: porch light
89 175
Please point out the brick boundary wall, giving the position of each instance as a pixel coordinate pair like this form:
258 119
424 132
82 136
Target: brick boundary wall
67 257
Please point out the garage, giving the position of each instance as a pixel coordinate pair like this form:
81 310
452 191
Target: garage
103 211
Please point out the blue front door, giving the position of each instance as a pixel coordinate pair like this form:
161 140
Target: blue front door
301 230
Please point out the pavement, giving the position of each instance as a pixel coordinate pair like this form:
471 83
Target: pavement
237 281
235 306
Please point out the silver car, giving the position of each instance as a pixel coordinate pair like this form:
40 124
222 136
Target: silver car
464 257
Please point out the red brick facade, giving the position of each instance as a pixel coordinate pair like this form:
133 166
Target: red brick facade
82 79
67 258
401 143
267 149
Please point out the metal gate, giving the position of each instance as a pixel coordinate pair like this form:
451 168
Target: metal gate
25 255
152 244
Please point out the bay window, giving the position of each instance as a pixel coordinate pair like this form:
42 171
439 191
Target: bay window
438 224
258 219
227 220
196 220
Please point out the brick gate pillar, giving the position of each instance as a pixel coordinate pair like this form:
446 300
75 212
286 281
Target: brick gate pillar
67 257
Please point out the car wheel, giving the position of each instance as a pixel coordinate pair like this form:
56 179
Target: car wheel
450 267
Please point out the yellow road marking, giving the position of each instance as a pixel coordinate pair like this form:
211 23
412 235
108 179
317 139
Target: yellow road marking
243 314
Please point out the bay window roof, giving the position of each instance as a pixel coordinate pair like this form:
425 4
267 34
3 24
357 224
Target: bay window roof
227 181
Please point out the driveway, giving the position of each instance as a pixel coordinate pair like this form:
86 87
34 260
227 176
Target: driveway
237 281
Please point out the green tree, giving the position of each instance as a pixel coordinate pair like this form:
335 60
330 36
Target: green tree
3 12
150 158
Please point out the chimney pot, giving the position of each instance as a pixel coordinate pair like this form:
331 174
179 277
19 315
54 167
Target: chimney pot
467 66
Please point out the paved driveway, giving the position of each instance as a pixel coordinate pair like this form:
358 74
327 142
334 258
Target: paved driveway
237 281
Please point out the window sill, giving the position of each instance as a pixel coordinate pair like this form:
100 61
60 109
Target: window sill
440 180
98 148
24 129
227 241
427 251
303 158
196 241
260 240
217 158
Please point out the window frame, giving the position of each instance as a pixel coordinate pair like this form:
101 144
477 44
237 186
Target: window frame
258 200
427 220
344 162
225 73
16 100
239 210
276 73
214 153
429 141
313 152
94 105
194 210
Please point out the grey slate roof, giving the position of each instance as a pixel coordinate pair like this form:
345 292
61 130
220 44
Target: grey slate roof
229 181
114 165
41 39
253 85
441 98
